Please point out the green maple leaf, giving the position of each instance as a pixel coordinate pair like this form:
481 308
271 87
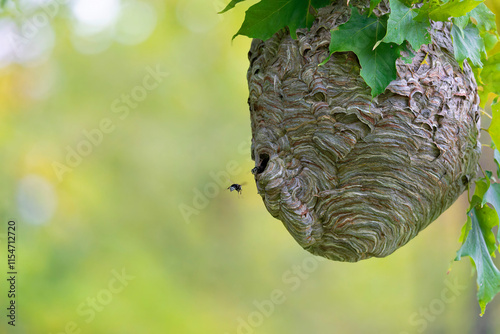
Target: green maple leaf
496 158
266 17
425 9
441 11
461 21
484 17
490 40
453 8
490 76
373 4
315 4
487 219
479 220
467 44
494 129
230 5
492 196
359 35
485 21
482 186
411 53
401 26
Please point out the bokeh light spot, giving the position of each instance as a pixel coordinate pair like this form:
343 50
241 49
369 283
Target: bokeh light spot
98 14
198 16
36 199
136 23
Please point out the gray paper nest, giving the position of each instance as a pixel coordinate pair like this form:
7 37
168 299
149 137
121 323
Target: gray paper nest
351 177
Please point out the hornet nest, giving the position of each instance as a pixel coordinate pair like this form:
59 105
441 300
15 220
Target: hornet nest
349 176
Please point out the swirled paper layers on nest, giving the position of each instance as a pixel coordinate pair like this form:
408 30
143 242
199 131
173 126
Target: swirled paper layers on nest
349 176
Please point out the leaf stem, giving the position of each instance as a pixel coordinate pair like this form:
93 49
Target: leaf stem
485 113
468 193
482 170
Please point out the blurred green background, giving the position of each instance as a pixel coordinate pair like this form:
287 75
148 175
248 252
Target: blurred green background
121 123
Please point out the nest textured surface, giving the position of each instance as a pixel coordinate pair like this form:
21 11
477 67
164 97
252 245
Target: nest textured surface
351 177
